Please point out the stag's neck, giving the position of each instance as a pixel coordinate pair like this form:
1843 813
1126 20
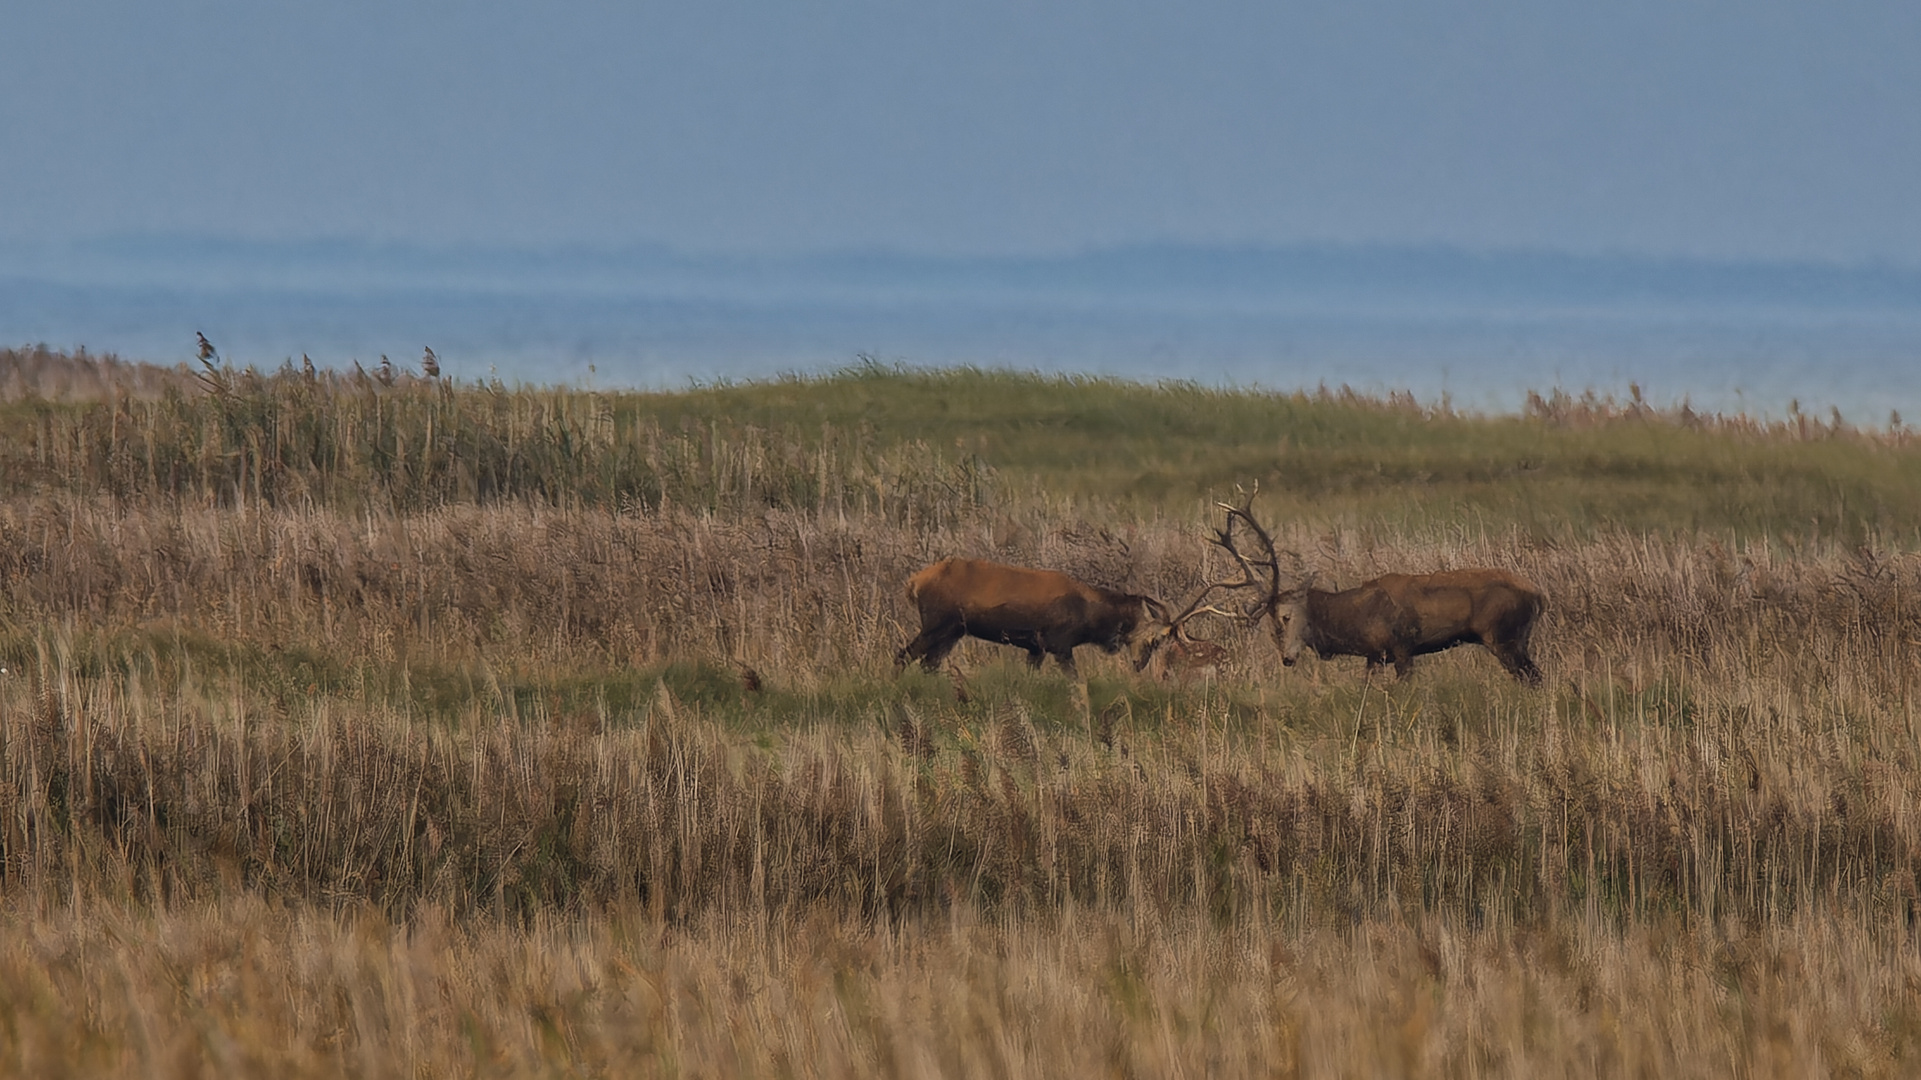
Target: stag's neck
1329 616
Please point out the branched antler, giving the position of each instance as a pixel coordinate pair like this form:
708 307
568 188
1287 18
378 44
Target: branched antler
1250 577
1267 560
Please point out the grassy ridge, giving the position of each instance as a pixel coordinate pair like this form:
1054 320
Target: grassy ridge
1569 465
917 443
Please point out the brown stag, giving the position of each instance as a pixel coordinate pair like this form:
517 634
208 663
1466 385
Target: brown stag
1043 611
1393 618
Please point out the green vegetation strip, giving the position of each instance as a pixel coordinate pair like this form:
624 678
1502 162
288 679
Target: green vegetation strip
925 445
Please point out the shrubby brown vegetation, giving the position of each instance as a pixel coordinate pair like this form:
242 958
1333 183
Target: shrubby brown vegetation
561 783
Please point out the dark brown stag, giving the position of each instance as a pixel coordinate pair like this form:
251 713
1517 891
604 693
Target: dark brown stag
1393 618
1043 611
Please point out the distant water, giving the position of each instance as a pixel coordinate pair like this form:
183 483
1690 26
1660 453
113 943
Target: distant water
1733 344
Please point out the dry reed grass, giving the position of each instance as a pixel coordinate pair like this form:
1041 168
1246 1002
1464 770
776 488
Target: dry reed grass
38 373
804 594
397 442
1504 805
569 784
248 989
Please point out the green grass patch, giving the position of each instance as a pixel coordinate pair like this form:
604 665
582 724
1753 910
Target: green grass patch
928 446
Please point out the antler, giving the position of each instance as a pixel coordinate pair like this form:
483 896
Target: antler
1176 625
1224 538
1250 577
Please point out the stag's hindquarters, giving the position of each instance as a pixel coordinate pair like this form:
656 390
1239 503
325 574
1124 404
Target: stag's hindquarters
1496 609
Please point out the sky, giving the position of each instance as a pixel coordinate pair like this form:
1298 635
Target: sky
1772 130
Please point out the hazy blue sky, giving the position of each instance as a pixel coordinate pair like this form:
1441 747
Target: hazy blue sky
1758 128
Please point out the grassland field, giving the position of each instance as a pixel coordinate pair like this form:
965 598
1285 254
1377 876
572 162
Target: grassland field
365 725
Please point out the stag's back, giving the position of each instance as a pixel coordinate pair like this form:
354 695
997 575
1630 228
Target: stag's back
971 585
1497 603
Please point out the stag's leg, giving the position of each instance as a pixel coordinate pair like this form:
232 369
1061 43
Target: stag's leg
942 645
930 647
1060 647
1403 663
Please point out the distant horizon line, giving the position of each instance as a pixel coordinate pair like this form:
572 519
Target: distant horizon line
150 242
1195 277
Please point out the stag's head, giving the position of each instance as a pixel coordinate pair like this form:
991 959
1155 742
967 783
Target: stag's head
1260 580
1289 627
1156 629
1163 633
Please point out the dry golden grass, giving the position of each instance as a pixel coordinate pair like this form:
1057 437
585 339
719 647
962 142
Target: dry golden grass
248 989
814 595
557 787
1700 839
1447 794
